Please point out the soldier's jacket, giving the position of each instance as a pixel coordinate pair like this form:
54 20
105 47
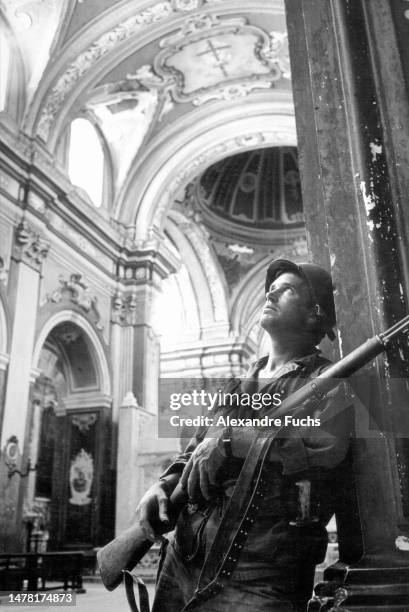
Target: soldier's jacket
306 453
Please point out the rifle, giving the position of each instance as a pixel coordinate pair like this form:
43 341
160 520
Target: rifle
127 549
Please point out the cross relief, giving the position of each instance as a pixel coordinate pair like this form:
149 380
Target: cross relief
213 50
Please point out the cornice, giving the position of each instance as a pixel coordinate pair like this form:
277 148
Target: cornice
47 193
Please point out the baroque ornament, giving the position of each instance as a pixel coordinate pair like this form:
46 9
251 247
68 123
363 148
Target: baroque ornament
29 247
96 51
231 92
211 58
77 291
128 308
84 422
99 48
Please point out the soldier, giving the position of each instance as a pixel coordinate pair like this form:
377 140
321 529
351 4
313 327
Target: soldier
275 569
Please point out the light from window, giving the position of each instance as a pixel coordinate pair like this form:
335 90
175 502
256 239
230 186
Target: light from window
4 68
86 159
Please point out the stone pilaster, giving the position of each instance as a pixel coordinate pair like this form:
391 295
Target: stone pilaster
135 345
29 251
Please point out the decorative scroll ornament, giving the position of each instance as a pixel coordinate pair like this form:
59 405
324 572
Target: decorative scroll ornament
84 422
77 291
278 53
29 247
80 477
96 51
232 92
212 58
129 308
187 5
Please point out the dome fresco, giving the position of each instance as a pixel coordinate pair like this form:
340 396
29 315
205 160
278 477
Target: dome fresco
261 188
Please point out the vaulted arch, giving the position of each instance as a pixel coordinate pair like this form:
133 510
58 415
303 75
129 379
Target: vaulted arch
189 148
92 340
204 272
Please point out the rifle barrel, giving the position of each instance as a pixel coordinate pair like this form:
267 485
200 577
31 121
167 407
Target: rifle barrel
396 329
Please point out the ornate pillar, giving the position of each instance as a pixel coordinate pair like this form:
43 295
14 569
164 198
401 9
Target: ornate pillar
351 112
29 251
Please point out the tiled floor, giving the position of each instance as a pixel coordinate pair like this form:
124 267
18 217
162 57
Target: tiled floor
96 599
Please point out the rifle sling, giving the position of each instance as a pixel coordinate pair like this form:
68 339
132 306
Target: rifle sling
250 487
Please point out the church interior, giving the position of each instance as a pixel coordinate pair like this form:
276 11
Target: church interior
154 157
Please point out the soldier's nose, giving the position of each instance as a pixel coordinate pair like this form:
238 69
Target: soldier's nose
271 296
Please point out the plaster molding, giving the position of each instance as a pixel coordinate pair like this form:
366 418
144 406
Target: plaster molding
67 258
29 247
211 58
133 307
84 400
77 291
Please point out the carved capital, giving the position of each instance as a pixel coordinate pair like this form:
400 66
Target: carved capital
133 307
29 247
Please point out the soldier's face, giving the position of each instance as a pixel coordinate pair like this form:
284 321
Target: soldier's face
288 305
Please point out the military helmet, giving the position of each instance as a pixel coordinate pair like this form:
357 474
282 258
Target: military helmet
319 284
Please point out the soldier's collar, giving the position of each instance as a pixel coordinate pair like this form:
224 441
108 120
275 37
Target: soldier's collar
291 366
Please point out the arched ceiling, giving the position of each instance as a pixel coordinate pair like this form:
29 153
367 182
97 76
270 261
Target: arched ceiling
139 67
173 87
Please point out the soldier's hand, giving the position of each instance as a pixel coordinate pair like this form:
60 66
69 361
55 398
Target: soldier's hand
153 507
199 477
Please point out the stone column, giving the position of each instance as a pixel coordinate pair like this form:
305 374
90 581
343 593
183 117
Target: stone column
351 113
29 251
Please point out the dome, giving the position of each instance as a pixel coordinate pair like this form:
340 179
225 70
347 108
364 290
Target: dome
260 188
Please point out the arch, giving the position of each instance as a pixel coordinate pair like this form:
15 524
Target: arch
194 143
204 270
101 362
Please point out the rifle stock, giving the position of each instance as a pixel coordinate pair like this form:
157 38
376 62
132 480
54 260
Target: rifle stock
127 549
